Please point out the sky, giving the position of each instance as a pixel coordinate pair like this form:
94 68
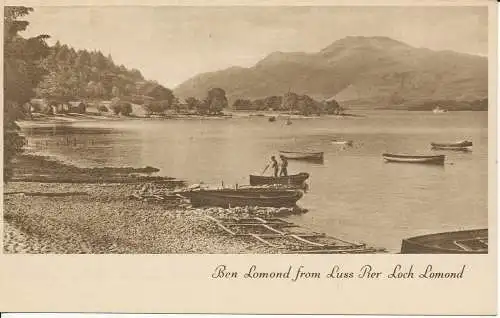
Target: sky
172 44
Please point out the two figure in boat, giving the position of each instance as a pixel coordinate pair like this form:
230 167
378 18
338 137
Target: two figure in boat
281 168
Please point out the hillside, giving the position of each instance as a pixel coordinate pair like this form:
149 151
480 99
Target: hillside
369 71
71 74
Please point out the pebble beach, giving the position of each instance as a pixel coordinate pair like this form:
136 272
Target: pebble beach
113 210
99 219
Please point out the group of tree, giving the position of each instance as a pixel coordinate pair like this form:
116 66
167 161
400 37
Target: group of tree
268 103
290 102
22 72
59 74
89 75
213 104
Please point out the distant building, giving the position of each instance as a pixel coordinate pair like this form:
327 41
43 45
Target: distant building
59 108
77 107
40 105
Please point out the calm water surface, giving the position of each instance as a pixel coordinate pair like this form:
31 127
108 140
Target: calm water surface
354 195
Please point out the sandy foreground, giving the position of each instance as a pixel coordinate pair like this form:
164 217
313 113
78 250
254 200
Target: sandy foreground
99 218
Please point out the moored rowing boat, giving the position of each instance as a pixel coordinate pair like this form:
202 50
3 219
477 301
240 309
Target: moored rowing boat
342 142
458 242
439 159
462 145
307 156
292 180
243 197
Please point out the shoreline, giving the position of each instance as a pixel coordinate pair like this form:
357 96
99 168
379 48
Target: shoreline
57 208
80 118
102 219
53 207
60 119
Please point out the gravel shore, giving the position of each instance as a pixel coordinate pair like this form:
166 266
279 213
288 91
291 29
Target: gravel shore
98 218
118 210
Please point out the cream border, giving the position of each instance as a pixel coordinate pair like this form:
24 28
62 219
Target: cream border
182 284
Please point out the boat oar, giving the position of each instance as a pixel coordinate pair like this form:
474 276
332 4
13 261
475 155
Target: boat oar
264 170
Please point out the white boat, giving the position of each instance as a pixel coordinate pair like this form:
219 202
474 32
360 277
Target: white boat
439 110
342 142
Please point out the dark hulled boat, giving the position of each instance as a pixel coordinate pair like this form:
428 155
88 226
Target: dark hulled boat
243 197
459 242
461 145
292 180
305 156
439 159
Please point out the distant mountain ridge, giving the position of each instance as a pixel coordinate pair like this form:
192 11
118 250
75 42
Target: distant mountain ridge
374 71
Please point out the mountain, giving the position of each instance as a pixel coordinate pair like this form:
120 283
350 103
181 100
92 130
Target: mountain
368 71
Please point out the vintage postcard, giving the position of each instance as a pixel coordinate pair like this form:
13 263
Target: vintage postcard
249 157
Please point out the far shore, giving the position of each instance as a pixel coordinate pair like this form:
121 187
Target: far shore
42 119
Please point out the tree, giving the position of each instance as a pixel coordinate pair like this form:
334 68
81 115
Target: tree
115 91
94 90
259 104
98 60
129 90
202 107
290 101
216 100
332 107
126 109
62 55
102 109
273 102
192 103
307 106
158 92
21 74
155 107
176 104
120 107
242 104
60 86
136 74
82 59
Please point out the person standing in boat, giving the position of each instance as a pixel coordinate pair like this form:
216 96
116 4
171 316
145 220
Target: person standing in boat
284 166
274 166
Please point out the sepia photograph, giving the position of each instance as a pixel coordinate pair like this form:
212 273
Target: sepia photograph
246 130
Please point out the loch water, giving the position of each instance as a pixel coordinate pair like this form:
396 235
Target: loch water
353 195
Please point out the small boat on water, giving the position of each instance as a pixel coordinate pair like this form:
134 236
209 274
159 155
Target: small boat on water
342 142
439 159
460 145
439 110
306 156
458 242
292 180
243 197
